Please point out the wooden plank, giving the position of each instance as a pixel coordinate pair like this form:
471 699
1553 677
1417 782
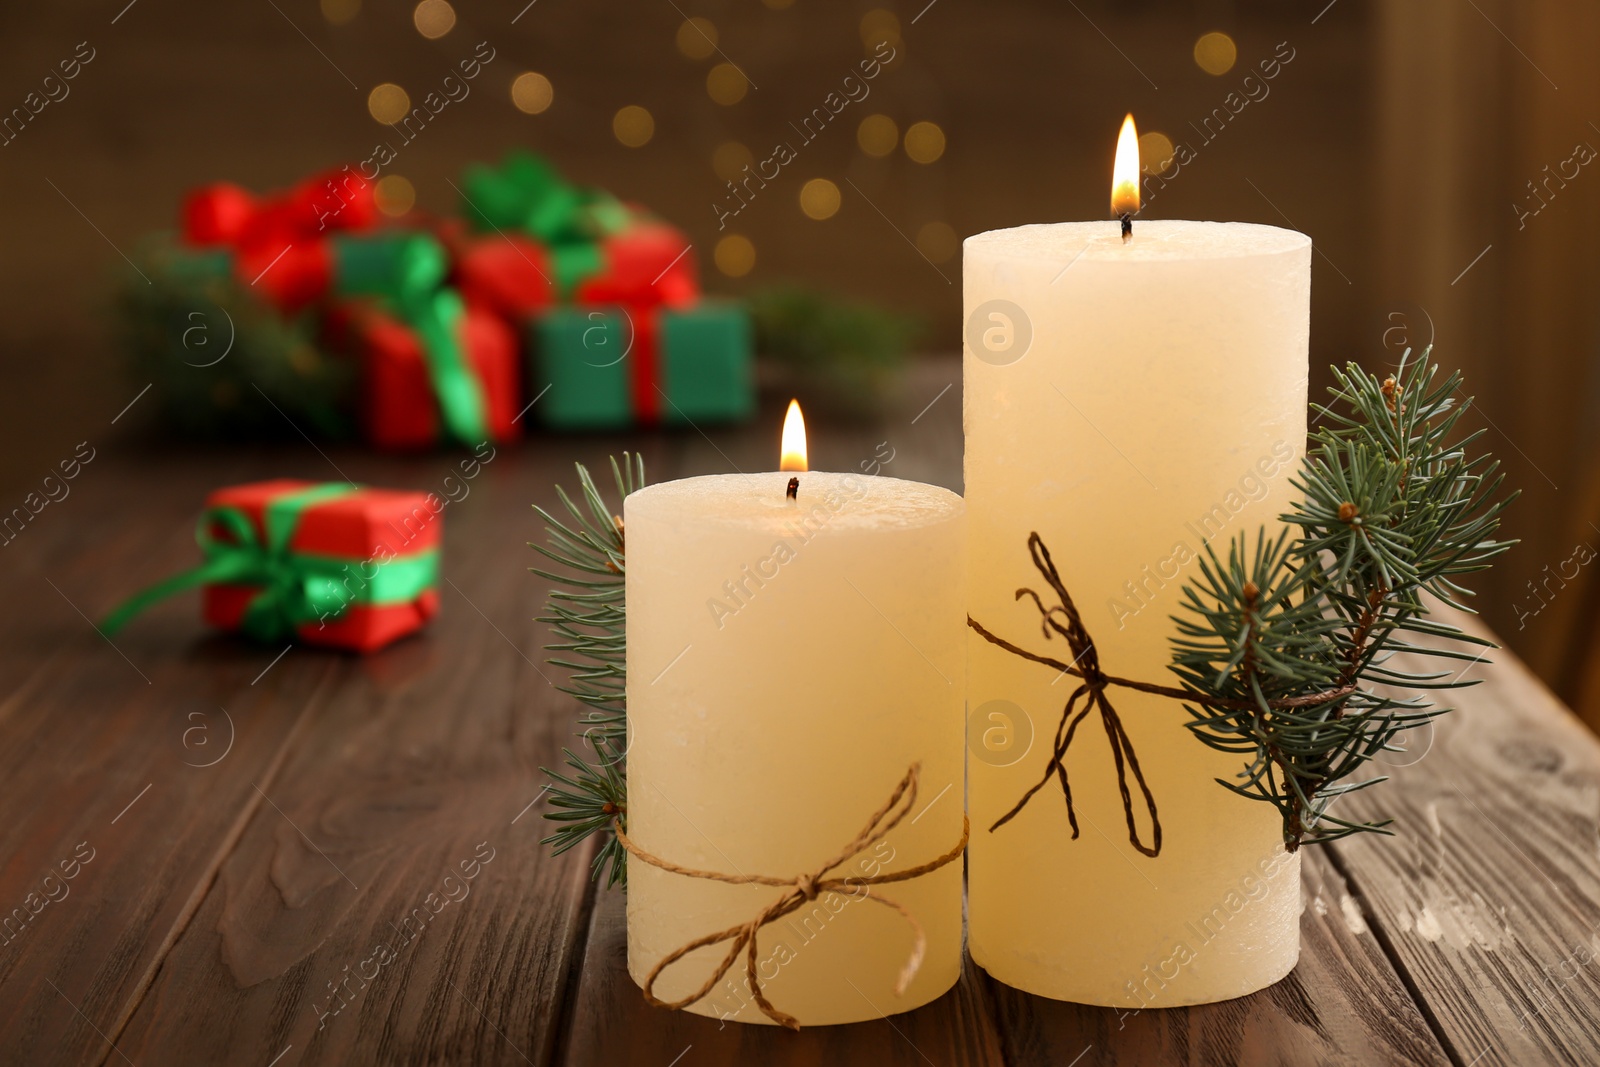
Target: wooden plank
1343 1003
1488 898
611 1023
105 760
391 901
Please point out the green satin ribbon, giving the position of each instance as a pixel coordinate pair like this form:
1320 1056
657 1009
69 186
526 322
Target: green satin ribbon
295 588
406 270
572 264
527 194
438 319
397 265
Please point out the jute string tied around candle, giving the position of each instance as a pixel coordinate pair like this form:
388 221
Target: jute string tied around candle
1063 620
800 890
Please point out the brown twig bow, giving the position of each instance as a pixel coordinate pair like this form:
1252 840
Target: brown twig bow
1065 620
802 889
1086 666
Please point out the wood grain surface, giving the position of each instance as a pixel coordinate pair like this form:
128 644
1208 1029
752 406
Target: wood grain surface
318 858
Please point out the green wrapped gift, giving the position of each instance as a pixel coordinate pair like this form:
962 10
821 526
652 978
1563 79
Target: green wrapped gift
610 367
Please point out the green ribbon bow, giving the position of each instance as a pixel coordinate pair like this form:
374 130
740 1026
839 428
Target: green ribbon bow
527 194
295 588
406 270
394 264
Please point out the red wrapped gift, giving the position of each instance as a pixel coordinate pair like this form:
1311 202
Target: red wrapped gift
338 200
224 213
324 563
645 264
370 532
289 276
217 214
412 395
508 274
280 241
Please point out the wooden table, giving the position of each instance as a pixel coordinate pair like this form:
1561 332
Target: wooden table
245 824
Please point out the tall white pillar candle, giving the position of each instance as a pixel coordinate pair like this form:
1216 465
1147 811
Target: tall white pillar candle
787 661
1128 402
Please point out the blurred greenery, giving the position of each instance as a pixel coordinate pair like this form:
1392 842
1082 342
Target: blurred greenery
850 354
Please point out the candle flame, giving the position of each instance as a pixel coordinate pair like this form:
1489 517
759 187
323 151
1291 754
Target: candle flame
1125 172
793 457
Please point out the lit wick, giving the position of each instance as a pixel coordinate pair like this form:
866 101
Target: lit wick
793 451
1125 178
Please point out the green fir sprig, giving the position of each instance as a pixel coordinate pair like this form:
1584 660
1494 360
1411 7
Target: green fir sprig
587 616
1288 645
1286 648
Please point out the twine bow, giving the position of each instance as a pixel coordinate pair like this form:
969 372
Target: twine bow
800 890
294 588
1065 621
1091 695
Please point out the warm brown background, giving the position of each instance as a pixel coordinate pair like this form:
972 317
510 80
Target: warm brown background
1400 137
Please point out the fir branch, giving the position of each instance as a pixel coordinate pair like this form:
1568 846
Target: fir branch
588 616
1393 508
1285 649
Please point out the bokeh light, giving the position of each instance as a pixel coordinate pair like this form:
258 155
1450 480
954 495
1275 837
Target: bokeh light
938 241
1215 52
727 84
924 142
877 135
633 126
735 255
388 103
697 38
729 159
1155 152
434 18
819 199
339 12
394 195
532 92
878 26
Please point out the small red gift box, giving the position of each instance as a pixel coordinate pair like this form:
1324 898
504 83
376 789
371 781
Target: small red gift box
378 547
